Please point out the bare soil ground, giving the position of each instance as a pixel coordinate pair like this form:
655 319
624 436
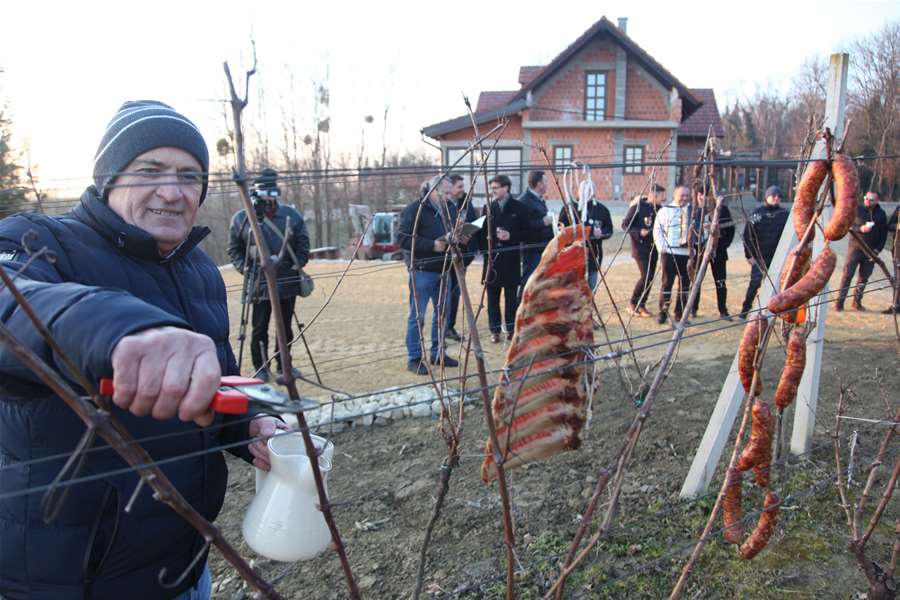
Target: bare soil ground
384 477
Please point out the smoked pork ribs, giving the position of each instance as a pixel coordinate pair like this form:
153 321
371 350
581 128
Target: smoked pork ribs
539 406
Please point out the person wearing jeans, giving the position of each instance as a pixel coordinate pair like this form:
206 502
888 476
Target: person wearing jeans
426 287
424 227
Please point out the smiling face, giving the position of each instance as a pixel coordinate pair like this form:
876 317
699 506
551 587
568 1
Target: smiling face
159 193
681 196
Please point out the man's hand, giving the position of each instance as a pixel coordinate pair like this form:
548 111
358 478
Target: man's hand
164 372
440 245
263 427
548 220
866 228
645 232
502 234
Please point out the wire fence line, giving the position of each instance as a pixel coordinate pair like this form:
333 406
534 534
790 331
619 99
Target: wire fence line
322 426
225 178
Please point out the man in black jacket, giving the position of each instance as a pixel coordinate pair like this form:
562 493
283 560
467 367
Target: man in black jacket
284 228
424 225
131 296
540 224
598 218
871 224
507 224
702 216
761 235
458 195
638 224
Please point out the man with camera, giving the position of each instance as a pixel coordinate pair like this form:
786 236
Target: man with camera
286 236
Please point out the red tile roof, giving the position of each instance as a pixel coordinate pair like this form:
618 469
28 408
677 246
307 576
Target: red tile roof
699 122
528 73
492 100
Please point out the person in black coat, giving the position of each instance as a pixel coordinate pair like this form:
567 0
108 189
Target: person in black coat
507 225
459 197
278 222
600 222
761 235
638 224
130 295
540 224
701 218
871 224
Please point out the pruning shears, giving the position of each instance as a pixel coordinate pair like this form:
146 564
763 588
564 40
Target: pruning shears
240 395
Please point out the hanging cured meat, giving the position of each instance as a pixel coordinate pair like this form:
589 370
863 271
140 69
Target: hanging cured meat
539 406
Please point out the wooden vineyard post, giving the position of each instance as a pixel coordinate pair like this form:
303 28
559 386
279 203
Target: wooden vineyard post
721 421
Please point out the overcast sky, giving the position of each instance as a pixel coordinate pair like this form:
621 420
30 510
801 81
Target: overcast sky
69 65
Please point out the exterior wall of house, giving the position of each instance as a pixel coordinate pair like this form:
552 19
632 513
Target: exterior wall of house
646 99
561 98
604 146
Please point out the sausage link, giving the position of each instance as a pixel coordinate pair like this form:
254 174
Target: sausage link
846 188
747 353
764 529
805 198
758 450
807 286
794 363
733 529
790 276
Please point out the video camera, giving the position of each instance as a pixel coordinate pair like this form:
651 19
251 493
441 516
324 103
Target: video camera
263 196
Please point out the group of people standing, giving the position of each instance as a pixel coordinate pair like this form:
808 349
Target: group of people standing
671 236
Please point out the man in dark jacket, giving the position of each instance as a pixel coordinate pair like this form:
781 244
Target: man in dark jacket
459 196
285 233
702 216
130 296
598 218
540 224
424 224
871 224
638 224
761 235
507 224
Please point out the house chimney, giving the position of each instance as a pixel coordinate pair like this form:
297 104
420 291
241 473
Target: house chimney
623 24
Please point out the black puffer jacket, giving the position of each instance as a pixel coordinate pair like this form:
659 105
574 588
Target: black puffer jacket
286 222
762 232
107 282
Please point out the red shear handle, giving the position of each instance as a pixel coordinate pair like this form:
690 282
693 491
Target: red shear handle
228 401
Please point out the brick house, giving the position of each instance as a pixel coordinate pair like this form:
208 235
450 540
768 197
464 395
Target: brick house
601 100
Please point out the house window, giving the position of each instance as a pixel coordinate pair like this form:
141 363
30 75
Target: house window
634 158
594 96
562 157
506 161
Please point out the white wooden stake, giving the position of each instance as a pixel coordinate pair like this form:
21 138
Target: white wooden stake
721 421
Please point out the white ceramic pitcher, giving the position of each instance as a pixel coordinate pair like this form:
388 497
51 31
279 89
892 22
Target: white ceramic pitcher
284 522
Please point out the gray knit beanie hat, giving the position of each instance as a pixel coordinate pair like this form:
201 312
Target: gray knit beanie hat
140 126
